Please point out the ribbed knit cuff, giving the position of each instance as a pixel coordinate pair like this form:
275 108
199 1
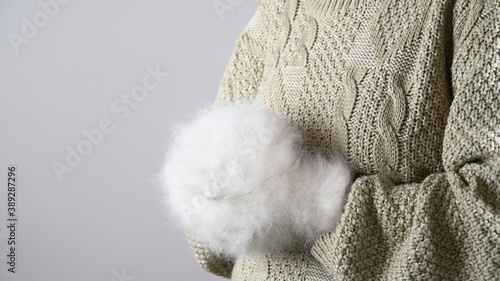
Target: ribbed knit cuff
323 251
208 260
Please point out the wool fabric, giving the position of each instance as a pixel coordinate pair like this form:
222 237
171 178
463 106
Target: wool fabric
408 92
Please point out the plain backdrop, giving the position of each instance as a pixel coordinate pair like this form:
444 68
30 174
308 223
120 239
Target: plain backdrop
87 137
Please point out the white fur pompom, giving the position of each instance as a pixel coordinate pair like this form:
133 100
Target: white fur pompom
236 179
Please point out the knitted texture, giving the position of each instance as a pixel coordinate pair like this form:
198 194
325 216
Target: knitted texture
235 178
408 92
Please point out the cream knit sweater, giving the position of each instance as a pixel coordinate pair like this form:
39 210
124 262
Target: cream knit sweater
408 92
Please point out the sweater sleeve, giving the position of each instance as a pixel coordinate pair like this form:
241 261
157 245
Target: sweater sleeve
245 69
447 226
241 81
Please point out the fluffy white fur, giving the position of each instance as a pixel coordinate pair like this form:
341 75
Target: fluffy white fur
236 179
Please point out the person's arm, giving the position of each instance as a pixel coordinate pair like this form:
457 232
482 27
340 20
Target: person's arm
448 225
241 81
246 66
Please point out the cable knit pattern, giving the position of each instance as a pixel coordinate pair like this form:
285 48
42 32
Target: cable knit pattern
389 121
407 92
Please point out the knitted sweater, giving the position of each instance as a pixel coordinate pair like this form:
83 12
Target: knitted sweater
408 92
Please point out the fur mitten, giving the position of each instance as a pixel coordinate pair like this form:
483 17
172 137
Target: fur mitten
237 180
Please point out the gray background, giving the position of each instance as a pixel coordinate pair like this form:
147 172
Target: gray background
103 220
